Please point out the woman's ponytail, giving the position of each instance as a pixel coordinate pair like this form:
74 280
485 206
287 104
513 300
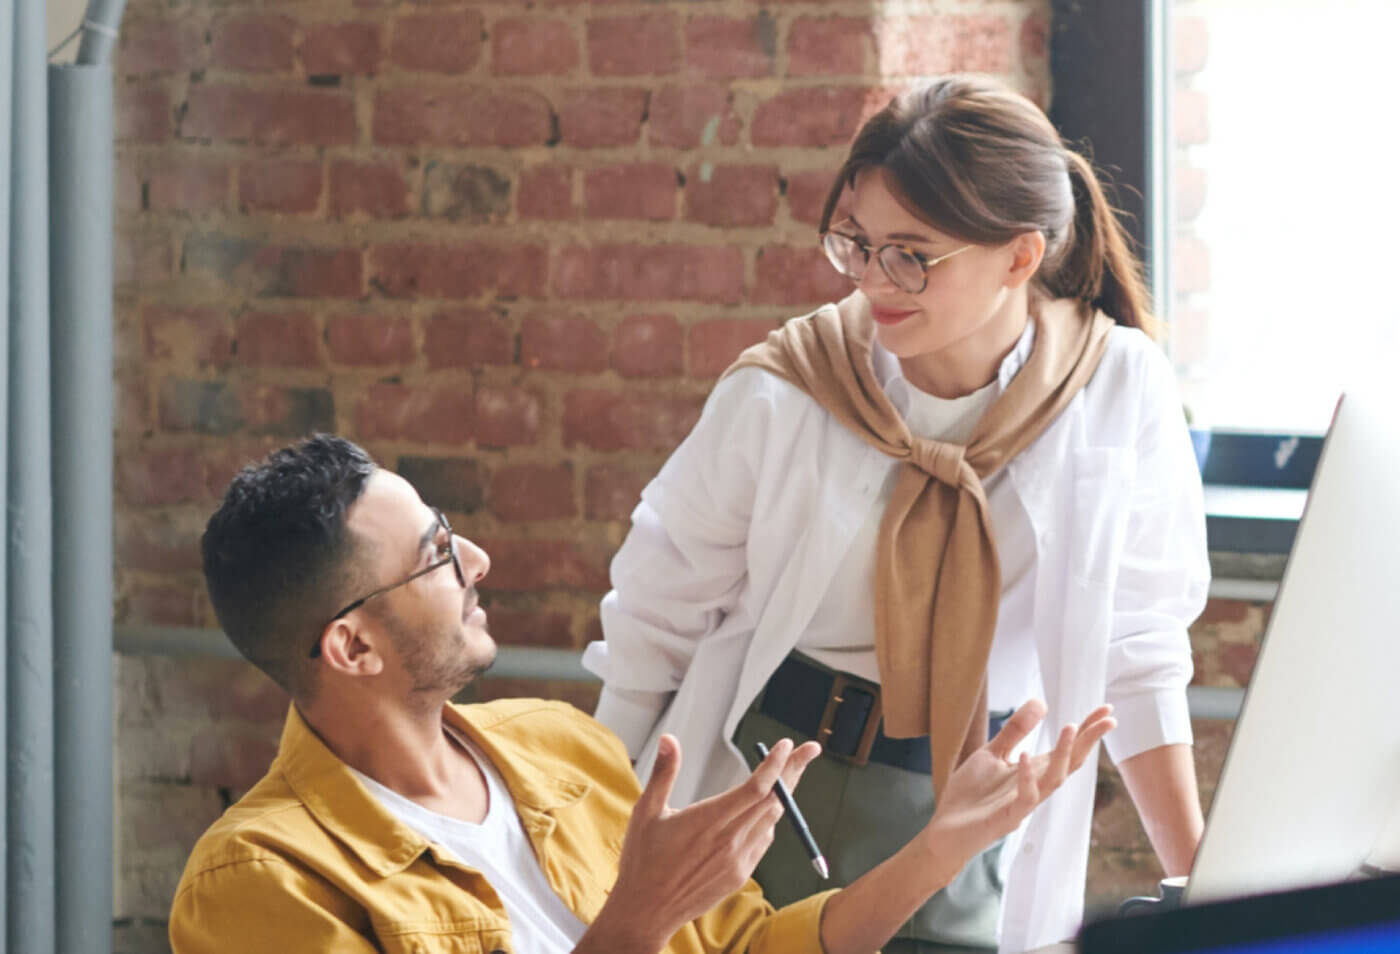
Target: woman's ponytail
1099 267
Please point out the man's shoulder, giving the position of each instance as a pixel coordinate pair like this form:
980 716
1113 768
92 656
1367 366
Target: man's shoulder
253 829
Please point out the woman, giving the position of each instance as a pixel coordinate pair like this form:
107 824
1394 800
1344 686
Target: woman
968 484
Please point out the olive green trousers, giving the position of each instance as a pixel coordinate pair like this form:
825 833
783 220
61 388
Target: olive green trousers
861 815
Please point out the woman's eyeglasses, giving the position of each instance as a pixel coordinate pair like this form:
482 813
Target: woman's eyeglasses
906 269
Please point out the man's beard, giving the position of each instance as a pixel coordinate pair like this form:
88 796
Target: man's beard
437 661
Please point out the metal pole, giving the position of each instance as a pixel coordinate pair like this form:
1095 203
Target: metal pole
80 216
29 857
7 47
99 31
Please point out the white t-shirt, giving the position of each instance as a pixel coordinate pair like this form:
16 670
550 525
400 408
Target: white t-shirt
539 922
842 633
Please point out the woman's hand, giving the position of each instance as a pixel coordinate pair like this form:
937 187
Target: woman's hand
988 795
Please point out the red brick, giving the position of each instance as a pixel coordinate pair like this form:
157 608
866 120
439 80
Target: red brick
333 49
451 116
231 758
275 271
231 689
1224 611
253 44
1190 265
437 42
368 340
513 627
204 407
185 336
160 46
1190 44
642 45
142 258
531 565
470 338
716 343
1190 122
268 340
527 46
506 417
185 183
128 183
606 420
269 116
828 46
545 192
731 195
533 492
691 116
648 346
612 492
157 604
943 43
159 476
728 48
1035 38
464 270
806 194
602 117
563 344
1190 192
375 190
280 185
815 116
465 192
398 412
650 273
456 484
229 458
143 114
132 399
634 190
797 276
157 543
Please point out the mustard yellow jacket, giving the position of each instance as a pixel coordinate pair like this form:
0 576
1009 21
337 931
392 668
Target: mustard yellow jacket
308 860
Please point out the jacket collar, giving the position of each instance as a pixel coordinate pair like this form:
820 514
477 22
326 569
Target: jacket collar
341 805
886 365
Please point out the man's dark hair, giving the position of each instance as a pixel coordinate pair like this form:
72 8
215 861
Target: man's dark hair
279 559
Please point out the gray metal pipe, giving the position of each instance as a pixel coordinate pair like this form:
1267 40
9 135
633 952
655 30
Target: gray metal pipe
7 19
99 31
80 277
29 855
513 662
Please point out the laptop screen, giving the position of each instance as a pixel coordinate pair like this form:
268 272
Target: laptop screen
1368 939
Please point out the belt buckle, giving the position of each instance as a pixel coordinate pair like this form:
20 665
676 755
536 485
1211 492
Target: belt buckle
840 683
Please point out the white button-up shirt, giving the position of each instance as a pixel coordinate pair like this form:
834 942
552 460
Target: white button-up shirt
738 538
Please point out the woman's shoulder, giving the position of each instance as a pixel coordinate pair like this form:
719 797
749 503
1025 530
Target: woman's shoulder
751 384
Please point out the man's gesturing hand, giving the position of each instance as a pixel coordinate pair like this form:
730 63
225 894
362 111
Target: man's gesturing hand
676 864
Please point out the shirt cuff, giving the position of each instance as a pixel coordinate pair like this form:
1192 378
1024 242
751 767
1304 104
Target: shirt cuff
1147 720
631 714
796 927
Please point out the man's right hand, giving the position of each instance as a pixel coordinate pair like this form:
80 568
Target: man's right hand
677 864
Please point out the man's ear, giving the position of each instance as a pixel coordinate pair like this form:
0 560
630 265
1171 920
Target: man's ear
1027 251
350 649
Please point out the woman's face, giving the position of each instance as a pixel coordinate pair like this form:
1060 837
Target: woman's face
967 297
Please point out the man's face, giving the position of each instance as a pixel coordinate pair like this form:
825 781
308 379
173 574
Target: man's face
436 630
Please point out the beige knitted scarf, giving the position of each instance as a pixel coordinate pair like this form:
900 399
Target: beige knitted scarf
937 578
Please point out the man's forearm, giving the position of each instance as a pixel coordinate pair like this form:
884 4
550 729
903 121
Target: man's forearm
864 915
1162 783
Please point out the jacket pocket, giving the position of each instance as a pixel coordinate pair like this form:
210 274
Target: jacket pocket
445 941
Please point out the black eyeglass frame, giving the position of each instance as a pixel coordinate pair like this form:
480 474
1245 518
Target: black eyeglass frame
450 558
870 251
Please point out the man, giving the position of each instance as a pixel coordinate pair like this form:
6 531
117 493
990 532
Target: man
394 821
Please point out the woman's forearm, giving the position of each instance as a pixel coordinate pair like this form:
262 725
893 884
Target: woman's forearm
1162 783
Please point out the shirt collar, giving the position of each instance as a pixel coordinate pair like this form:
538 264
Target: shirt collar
896 387
340 804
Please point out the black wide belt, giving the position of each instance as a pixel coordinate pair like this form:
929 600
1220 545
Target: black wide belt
842 712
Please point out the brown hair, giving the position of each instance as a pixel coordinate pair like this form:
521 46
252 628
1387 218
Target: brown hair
979 161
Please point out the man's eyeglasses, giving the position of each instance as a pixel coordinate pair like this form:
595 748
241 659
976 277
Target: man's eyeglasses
446 542
905 268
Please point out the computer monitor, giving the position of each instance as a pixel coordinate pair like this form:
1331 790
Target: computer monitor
1312 776
1348 918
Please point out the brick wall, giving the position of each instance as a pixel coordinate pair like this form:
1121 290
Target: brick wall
507 247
